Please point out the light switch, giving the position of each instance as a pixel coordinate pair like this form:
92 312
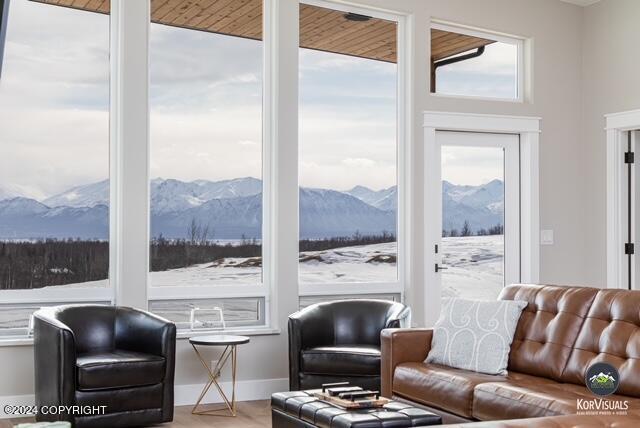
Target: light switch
546 237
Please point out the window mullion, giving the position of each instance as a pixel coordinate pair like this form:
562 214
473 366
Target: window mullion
130 151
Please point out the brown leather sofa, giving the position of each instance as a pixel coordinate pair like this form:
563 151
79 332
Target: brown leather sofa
561 332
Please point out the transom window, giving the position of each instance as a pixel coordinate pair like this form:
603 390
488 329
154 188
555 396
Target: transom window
473 63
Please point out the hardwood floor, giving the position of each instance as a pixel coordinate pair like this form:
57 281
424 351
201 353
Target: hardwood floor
251 414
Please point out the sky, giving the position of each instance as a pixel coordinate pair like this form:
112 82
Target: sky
206 100
488 164
493 74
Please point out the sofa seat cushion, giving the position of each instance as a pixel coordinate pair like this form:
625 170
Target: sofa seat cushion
118 369
438 386
353 360
520 398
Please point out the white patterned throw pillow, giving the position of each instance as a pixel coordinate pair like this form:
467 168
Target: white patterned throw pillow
475 335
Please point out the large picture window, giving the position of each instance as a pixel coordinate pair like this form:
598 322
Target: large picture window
54 158
206 157
348 147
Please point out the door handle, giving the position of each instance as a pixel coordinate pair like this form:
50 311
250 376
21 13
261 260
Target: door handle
439 268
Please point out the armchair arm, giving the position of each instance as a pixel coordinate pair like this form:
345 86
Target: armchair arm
54 362
145 332
401 346
402 319
308 328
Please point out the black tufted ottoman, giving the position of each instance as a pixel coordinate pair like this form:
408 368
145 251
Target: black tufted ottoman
298 409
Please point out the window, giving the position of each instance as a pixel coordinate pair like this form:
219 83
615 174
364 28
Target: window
470 63
348 148
206 160
54 159
479 249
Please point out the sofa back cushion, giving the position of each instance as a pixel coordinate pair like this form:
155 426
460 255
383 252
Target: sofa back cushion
610 334
548 328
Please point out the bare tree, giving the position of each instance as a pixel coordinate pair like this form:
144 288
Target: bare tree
466 229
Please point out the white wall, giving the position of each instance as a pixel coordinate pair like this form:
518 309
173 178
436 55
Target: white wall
565 192
611 83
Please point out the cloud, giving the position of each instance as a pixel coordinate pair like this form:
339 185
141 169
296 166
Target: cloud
358 162
206 106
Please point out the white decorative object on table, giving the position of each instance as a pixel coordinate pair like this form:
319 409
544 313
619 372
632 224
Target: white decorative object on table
475 335
196 324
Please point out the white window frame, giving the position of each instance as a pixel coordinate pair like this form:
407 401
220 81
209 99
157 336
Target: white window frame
262 289
617 127
528 129
129 147
130 180
72 293
522 48
403 161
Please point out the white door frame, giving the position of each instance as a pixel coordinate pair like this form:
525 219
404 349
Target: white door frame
528 128
617 124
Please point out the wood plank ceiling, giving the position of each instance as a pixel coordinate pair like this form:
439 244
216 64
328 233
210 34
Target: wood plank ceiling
320 28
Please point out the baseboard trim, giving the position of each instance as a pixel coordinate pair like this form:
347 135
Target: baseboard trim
246 390
184 395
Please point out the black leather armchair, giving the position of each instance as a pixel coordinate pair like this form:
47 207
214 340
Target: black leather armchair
96 355
340 342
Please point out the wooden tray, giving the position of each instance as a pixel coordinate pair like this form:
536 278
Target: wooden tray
359 403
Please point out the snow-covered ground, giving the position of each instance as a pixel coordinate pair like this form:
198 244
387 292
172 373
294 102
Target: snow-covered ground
475 266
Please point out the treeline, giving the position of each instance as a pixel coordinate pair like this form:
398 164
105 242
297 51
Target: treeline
43 263
345 241
50 262
466 231
167 254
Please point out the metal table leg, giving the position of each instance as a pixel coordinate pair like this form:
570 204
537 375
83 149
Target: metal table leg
214 374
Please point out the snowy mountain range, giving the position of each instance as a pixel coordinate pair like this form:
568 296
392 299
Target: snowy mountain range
232 209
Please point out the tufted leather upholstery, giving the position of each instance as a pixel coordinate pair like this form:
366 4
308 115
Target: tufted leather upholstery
548 327
301 409
611 334
570 421
95 355
561 332
340 341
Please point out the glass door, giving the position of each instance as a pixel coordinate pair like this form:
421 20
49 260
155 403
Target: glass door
478 252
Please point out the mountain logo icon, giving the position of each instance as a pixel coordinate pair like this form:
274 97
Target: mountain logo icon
602 379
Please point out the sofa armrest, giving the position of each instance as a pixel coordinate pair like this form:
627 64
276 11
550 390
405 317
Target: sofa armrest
400 345
54 363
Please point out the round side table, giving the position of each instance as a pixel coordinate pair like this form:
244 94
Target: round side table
230 344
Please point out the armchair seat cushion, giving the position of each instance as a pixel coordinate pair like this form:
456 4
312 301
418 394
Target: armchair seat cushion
118 369
352 360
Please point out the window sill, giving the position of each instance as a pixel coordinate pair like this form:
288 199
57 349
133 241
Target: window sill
181 335
477 98
248 331
16 341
